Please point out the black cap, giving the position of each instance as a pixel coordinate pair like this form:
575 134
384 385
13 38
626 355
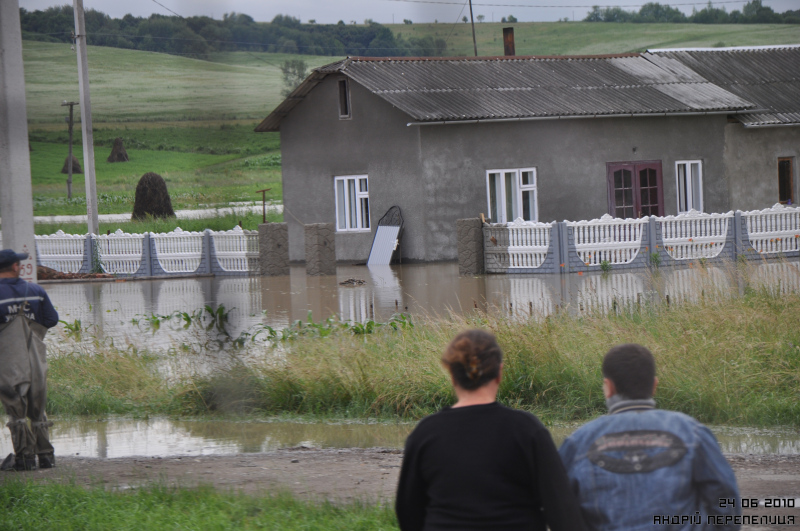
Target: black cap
8 257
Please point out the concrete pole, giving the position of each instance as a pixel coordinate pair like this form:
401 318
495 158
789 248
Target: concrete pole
16 193
474 42
86 119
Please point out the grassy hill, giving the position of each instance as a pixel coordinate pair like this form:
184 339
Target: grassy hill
134 86
579 38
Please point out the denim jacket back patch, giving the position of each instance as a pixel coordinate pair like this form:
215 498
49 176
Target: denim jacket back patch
631 468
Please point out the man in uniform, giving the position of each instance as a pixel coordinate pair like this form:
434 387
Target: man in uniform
25 315
643 468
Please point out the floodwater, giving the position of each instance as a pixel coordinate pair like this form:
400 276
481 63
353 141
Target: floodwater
163 437
123 311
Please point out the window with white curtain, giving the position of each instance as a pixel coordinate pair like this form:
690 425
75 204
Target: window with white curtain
512 194
689 176
352 203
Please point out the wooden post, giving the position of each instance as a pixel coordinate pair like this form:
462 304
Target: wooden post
69 161
263 203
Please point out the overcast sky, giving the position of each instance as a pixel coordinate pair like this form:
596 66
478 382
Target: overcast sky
383 11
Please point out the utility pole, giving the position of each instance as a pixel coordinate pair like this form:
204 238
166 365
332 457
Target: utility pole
474 42
86 120
69 160
16 192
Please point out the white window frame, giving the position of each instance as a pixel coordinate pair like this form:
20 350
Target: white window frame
519 188
350 209
691 201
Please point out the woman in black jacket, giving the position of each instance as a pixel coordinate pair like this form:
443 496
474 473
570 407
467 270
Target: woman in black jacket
480 465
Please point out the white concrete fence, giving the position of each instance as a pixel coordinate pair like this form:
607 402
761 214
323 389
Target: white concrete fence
233 252
574 246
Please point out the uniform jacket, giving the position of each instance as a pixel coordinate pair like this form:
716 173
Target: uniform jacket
14 292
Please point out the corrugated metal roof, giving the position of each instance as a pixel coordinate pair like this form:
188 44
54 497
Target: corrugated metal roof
767 76
486 88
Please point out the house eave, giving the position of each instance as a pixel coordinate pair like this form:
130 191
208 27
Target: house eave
578 116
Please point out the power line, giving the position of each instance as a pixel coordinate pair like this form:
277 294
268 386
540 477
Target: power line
542 6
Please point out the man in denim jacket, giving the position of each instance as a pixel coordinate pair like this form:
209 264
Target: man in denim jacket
644 468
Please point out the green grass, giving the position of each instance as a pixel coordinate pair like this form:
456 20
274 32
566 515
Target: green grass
735 361
71 507
581 38
195 179
134 86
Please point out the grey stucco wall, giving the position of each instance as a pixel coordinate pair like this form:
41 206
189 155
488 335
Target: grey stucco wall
751 163
570 157
316 147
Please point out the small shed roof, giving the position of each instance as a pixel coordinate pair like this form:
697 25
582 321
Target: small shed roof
768 76
435 90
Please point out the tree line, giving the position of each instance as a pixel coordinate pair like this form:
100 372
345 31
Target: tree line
754 12
200 35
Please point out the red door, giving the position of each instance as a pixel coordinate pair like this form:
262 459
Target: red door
635 189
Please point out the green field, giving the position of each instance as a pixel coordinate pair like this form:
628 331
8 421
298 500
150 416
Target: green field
581 38
192 121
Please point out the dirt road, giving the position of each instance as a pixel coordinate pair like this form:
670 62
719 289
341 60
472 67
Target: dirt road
365 474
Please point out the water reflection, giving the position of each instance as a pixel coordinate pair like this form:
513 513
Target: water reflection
117 310
162 437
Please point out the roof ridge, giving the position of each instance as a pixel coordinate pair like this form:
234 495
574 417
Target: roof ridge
494 58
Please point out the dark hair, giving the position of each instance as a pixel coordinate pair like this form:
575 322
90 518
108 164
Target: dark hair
632 368
473 357
9 267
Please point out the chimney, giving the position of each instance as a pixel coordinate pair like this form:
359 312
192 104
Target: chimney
508 42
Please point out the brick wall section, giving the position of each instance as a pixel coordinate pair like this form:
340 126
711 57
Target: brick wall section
273 247
320 249
470 246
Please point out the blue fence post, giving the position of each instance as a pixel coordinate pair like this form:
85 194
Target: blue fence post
208 252
148 255
738 248
555 242
652 239
564 247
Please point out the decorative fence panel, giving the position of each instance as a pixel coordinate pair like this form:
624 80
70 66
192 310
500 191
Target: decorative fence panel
120 253
62 252
608 239
178 251
694 235
236 250
774 230
516 245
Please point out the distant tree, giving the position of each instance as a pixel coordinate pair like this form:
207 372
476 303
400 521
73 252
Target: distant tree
407 21
480 18
503 20
294 72
312 21
464 19
512 19
368 21
595 15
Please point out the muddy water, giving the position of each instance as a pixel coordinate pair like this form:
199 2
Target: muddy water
120 310
162 437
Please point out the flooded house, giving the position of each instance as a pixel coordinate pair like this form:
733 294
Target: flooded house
541 138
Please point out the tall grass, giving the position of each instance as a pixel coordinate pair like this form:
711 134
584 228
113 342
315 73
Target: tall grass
66 507
733 361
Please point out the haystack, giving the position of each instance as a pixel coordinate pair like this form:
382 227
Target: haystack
118 153
152 198
76 166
